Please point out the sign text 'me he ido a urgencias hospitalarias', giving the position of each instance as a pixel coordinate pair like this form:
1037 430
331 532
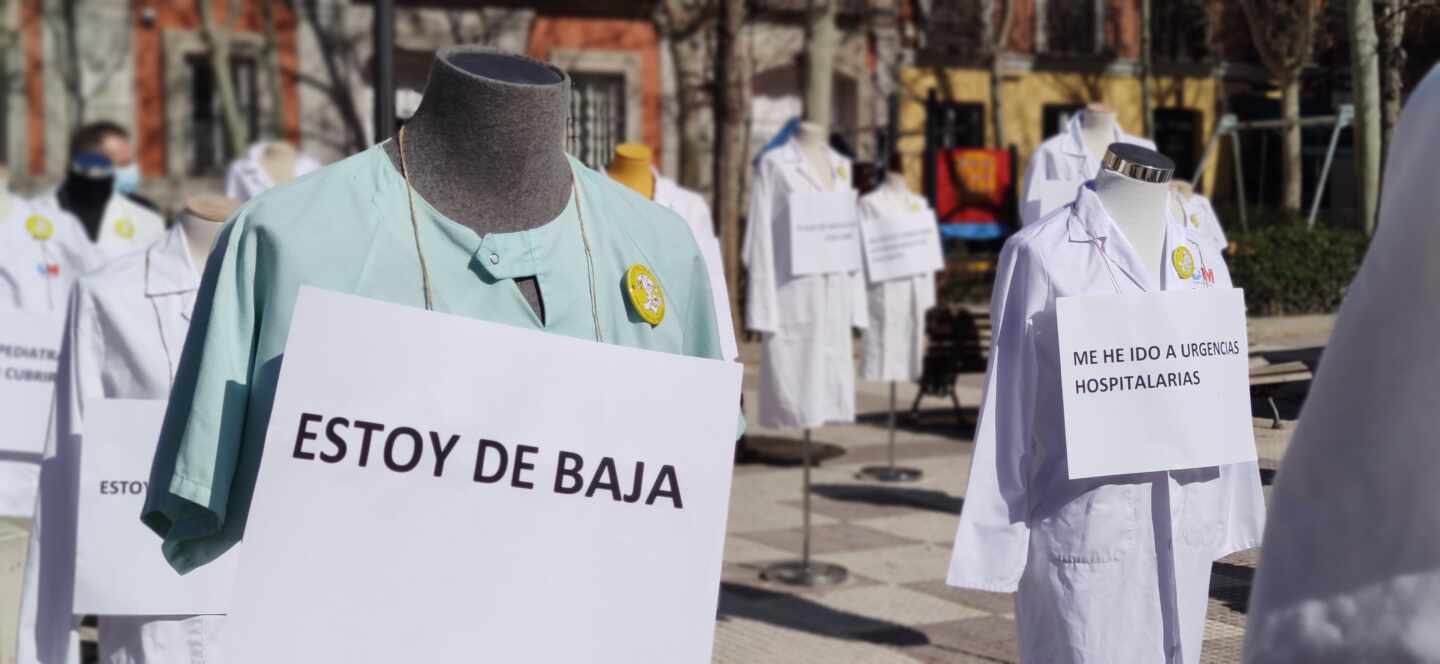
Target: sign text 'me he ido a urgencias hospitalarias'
118 567
824 232
436 488
903 246
29 351
1155 381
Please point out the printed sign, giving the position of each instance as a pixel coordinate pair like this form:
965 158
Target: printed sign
1157 381
118 566
29 352
435 488
903 246
824 232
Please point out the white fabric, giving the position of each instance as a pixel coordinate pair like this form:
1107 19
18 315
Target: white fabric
1200 216
692 208
126 226
1087 557
893 345
126 326
28 283
807 366
1064 157
246 178
1351 566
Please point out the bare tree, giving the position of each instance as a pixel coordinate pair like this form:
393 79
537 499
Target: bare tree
217 42
997 42
270 60
732 103
1283 33
1365 76
1391 30
821 40
1147 104
687 25
338 56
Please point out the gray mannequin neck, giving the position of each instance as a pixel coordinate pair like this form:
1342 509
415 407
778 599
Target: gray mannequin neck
486 147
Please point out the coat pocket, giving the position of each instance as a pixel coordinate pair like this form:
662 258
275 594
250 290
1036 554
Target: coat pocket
1098 526
1202 517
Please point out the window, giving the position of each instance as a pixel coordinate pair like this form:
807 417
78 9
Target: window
1177 136
597 116
958 124
1069 27
1180 31
210 152
1053 117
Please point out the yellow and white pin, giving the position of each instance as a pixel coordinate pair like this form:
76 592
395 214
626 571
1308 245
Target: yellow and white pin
124 228
646 296
1184 262
39 227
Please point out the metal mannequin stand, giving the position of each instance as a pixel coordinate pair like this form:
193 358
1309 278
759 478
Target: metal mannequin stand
805 572
890 472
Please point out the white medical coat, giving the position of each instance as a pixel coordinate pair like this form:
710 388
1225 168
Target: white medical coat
123 336
807 365
1064 158
692 208
1200 217
125 227
35 275
246 178
893 345
1087 558
1350 571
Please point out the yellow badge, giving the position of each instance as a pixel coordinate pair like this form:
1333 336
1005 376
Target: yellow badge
841 170
40 228
1195 220
124 228
646 297
1183 261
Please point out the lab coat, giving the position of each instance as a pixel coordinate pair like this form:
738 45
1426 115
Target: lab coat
1091 583
1200 216
35 275
1063 158
246 177
125 227
126 325
893 345
692 208
807 366
1350 571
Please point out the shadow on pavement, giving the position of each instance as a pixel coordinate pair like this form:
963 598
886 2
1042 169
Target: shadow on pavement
933 421
1235 596
778 451
891 496
799 613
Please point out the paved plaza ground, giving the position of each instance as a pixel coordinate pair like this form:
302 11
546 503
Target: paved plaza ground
895 539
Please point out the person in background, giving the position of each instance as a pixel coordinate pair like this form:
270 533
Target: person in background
113 141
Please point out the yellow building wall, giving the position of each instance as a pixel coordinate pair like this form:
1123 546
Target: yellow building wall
1024 96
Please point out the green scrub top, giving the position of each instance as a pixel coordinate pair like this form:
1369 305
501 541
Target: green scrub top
347 228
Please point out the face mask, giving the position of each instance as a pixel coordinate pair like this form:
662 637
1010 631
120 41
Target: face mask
127 178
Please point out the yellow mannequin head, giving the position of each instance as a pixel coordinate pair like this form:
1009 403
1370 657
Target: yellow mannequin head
631 167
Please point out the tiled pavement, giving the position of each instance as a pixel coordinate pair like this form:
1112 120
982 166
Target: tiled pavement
895 541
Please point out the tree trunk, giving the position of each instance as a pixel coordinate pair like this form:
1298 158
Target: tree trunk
1392 38
1147 105
822 38
218 44
270 59
1365 77
999 42
732 101
693 93
1290 112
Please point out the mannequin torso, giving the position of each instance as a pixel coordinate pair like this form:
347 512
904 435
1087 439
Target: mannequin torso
813 145
1138 208
631 167
278 160
1097 127
486 148
202 221
896 184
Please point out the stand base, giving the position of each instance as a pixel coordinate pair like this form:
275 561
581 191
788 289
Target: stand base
800 573
889 474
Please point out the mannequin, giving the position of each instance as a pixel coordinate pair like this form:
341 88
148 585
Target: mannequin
814 144
895 183
506 173
1097 126
278 160
1133 185
631 167
5 199
202 221
87 189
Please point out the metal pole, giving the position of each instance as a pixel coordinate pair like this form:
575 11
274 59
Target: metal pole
384 39
805 538
1346 113
1224 125
1240 181
889 472
805 572
892 425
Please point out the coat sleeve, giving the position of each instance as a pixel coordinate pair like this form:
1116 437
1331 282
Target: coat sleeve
48 630
1035 173
762 295
198 454
859 293
1240 482
992 542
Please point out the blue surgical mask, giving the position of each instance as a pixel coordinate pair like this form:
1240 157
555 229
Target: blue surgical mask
127 178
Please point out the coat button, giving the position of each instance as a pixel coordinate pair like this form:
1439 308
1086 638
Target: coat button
494 259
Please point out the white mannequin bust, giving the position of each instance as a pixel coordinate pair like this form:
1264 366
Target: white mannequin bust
202 221
815 145
1138 206
896 183
278 161
1097 128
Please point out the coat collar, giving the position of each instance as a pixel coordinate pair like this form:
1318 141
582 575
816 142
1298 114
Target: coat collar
1089 222
1074 143
168 268
791 154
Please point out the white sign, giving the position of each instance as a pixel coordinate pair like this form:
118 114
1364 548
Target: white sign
29 352
1158 381
435 488
824 232
1046 197
118 566
903 246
